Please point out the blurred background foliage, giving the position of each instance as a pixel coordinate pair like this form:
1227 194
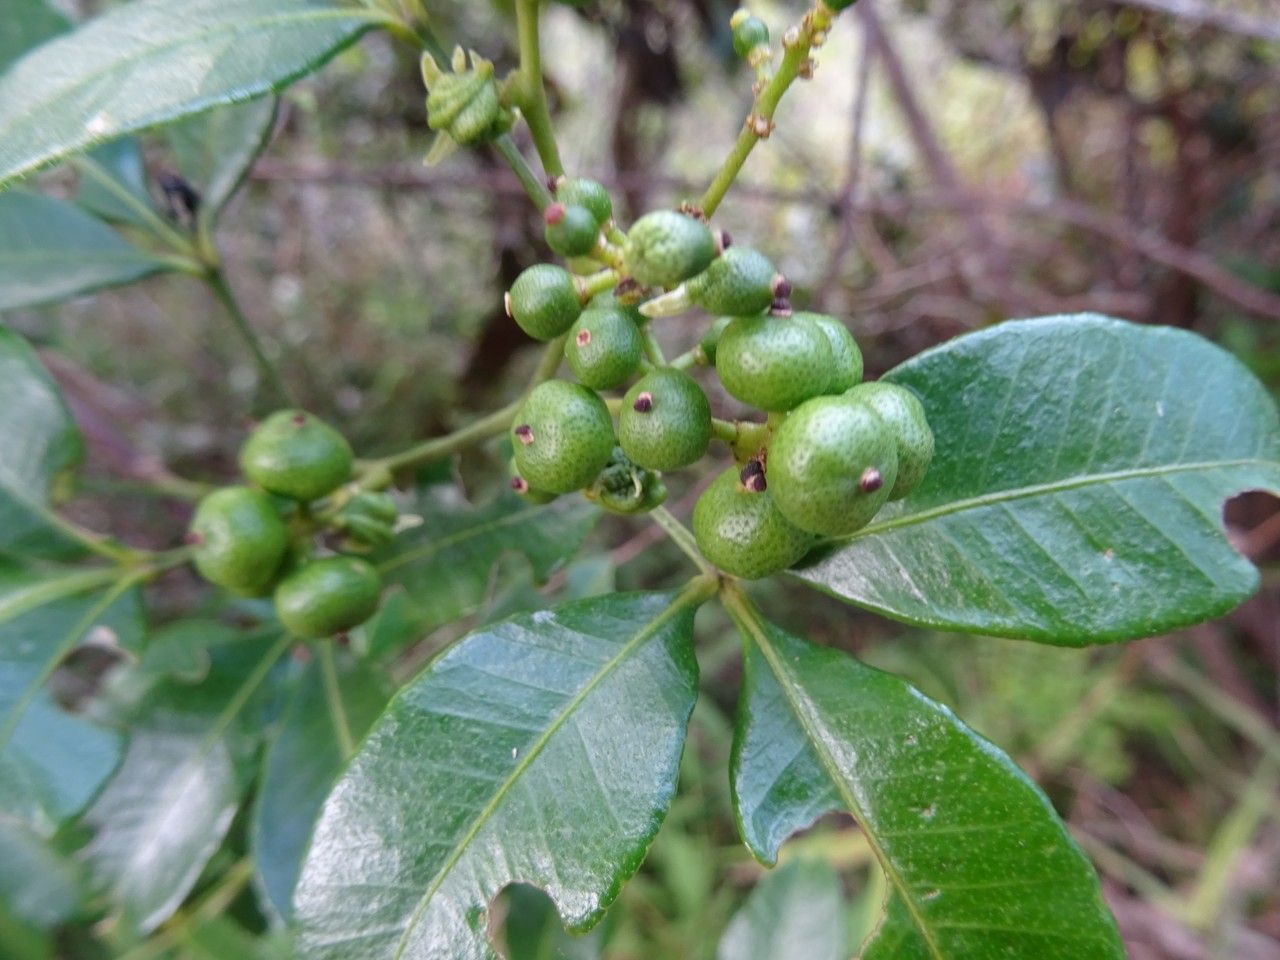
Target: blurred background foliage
951 165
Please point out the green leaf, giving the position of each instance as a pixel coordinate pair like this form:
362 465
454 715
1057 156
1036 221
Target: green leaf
540 750
446 564
113 183
794 911
1076 494
52 250
215 150
27 24
532 930
187 766
38 450
36 884
155 61
302 764
977 861
52 762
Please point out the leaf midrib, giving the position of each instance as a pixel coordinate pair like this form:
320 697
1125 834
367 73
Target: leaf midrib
1044 489
677 605
438 546
787 681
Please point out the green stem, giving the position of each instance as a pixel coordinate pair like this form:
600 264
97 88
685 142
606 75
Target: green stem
797 47
533 185
532 92
333 696
652 349
216 278
93 542
686 360
682 538
597 283
153 222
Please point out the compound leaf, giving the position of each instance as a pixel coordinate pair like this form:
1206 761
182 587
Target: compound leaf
1076 494
540 750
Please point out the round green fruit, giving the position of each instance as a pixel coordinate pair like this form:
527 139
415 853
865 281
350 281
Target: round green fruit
665 421
739 283
544 301
520 486
665 248
903 413
328 596
749 32
591 194
846 368
706 352
571 230
774 363
296 455
832 464
562 437
604 347
742 532
240 540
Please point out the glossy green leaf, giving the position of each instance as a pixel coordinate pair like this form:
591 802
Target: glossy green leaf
27 24
541 750
52 250
302 764
1076 494
155 61
214 151
37 885
532 930
188 763
113 183
53 762
979 865
794 911
446 564
39 448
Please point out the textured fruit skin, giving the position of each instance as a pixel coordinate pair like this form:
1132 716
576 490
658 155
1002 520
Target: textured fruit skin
611 353
675 429
328 596
903 413
544 301
739 283
574 233
774 363
818 459
744 533
571 434
846 368
241 541
587 193
665 248
297 455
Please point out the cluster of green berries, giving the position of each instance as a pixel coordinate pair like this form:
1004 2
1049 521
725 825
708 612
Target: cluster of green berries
257 539
831 453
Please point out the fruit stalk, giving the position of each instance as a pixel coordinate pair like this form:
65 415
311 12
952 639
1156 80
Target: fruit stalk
530 90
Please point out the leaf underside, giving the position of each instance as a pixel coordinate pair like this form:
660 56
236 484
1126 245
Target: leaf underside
541 750
1076 493
978 863
794 911
154 61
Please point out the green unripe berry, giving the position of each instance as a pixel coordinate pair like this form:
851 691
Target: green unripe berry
739 283
832 464
742 532
774 362
520 486
297 455
665 248
749 32
240 540
544 301
604 347
588 193
706 352
571 230
903 413
562 437
665 421
328 596
846 368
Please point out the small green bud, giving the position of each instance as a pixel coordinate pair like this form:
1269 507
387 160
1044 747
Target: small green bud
586 193
464 106
749 33
666 247
544 301
571 231
625 488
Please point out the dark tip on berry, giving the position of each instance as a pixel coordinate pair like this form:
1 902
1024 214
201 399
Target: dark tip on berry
554 213
755 483
524 433
781 307
519 484
724 240
644 403
193 539
781 287
583 337
871 480
299 419
553 184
